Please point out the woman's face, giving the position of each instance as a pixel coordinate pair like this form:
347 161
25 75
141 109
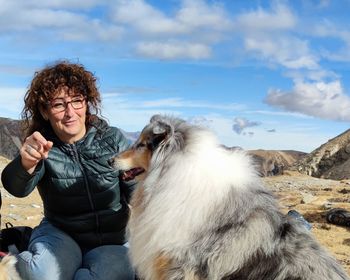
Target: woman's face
67 114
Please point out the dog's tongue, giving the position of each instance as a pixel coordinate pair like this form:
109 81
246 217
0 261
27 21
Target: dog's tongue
132 173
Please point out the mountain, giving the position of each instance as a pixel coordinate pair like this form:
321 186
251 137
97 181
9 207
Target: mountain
10 137
330 161
132 136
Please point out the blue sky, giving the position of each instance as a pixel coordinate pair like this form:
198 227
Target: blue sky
260 74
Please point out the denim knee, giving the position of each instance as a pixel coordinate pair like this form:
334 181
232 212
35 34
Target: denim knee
106 262
52 254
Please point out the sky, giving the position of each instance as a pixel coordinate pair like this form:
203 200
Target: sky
260 74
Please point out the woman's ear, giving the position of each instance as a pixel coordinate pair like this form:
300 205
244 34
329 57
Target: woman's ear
43 113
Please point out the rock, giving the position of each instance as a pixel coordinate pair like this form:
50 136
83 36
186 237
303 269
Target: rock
35 205
327 205
307 198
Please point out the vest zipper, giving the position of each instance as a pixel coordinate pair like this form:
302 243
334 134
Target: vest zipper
87 187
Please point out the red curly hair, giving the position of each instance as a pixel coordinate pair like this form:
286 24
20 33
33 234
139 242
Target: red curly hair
45 85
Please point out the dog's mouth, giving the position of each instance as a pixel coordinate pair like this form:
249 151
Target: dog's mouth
131 173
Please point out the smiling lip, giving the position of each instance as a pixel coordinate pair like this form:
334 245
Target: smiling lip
69 123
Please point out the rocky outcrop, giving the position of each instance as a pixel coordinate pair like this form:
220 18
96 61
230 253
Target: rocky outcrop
270 162
330 161
10 137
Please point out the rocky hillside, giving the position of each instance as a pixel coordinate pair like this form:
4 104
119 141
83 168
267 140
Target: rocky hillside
272 162
10 137
331 160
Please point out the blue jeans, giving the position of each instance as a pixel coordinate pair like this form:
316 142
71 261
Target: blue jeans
54 255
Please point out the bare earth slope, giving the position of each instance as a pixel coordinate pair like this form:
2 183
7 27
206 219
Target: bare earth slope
311 196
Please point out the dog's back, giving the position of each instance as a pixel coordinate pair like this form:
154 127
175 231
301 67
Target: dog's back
255 241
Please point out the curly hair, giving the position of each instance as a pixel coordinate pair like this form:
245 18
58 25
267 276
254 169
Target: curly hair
45 85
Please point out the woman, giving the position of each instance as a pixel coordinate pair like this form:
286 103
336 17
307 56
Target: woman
65 154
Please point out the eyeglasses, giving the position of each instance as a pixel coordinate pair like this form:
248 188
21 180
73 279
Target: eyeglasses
59 105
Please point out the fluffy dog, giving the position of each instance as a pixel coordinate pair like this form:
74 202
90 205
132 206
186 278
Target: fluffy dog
8 268
201 212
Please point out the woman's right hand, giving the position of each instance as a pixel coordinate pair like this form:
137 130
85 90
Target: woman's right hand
34 149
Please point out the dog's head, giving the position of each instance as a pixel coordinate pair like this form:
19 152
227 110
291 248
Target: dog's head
154 138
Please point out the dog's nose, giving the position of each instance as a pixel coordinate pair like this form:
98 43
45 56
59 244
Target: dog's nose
110 161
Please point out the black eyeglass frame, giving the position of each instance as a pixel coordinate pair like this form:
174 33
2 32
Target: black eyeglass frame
79 100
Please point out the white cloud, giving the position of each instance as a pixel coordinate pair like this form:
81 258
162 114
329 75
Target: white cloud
126 102
198 14
56 4
319 99
280 18
16 70
289 52
148 20
174 50
82 32
56 20
144 18
189 32
14 101
184 103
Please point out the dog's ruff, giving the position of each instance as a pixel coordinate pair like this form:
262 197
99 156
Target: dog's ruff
8 268
201 212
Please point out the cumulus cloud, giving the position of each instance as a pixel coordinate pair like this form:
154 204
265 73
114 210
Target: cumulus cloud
241 124
148 20
144 18
279 18
64 20
289 52
189 32
319 99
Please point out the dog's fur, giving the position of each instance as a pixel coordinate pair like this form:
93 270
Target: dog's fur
201 212
8 268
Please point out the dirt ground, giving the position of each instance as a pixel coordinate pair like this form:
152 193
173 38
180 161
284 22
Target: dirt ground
313 198
310 196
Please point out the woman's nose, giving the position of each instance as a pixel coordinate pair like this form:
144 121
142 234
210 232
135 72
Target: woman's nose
69 109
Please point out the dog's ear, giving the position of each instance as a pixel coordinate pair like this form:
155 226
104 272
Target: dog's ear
160 132
155 118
